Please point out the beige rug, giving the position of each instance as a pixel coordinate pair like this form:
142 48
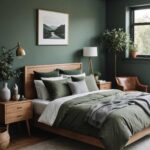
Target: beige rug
60 143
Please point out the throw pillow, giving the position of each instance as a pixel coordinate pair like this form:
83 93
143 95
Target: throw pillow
76 79
39 75
52 78
69 72
78 87
78 75
41 90
57 89
91 83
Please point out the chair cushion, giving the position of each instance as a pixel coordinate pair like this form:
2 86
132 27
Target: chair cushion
129 83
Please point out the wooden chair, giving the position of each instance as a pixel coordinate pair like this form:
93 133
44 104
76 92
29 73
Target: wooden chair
130 84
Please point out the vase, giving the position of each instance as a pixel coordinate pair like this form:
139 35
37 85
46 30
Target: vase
4 138
5 93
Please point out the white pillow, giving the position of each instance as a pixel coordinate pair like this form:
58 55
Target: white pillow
91 83
52 78
41 89
78 87
77 75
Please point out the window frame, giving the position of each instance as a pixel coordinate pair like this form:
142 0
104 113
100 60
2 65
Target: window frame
133 24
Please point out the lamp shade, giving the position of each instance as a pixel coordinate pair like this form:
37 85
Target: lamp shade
90 51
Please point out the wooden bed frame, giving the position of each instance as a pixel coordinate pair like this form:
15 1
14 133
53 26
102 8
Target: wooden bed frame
30 93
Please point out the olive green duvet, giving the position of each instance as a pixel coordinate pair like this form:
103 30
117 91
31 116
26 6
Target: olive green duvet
112 116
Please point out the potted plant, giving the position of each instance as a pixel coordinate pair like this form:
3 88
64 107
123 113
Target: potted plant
97 75
115 41
133 51
6 72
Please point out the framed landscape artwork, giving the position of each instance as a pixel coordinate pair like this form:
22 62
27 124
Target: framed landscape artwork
52 28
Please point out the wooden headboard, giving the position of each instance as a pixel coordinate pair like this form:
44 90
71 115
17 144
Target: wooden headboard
29 88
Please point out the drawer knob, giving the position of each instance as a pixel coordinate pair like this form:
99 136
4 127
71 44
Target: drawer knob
19 107
19 116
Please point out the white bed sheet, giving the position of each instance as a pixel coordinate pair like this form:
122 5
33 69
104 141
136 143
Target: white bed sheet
39 105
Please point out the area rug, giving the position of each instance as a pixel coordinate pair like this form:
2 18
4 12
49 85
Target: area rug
60 143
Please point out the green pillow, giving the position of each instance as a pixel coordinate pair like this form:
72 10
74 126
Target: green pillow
76 79
69 72
57 89
39 75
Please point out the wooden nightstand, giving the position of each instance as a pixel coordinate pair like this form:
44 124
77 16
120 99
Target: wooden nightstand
104 85
16 111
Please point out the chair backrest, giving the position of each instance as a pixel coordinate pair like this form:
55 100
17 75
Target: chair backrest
129 83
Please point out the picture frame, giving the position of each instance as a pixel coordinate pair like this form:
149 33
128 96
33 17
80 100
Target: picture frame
52 28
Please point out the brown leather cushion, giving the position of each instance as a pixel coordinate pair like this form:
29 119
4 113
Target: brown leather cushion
128 83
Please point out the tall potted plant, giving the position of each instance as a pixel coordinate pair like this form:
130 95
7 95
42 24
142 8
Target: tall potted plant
6 72
115 41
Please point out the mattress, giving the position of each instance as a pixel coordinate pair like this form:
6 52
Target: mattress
39 105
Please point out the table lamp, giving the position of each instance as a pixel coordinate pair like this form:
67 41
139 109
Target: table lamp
90 52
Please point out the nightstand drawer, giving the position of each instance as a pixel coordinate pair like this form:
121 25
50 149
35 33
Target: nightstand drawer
18 107
104 86
15 111
18 116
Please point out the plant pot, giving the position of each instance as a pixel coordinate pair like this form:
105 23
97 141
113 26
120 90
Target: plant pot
4 138
5 93
133 54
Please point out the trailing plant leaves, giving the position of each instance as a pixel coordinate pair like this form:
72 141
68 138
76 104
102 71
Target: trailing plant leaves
6 63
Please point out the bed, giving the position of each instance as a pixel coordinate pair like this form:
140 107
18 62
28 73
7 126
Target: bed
30 93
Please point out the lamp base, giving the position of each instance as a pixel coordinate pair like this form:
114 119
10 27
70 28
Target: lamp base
90 66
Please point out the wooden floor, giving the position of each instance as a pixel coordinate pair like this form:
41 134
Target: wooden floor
18 143
23 140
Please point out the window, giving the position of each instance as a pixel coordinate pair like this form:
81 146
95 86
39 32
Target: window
140 29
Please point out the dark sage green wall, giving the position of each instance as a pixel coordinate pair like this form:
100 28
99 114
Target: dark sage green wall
115 17
86 22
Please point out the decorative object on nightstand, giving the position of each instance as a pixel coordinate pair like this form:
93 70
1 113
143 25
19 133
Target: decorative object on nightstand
97 76
6 69
5 92
4 138
90 52
16 94
104 85
22 98
16 111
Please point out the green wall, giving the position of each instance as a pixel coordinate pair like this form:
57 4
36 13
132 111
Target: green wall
115 17
86 22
